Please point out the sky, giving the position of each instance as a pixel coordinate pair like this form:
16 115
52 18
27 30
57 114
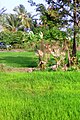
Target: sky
10 4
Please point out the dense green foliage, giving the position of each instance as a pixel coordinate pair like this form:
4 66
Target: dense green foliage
11 37
20 39
63 14
22 21
40 96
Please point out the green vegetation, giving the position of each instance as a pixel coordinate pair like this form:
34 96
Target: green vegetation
26 60
40 96
37 95
19 59
56 32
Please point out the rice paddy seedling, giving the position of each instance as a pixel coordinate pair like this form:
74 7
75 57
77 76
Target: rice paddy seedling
40 96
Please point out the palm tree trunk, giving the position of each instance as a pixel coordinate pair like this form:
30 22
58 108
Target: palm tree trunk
74 39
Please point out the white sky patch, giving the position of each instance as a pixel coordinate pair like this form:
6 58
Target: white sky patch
10 4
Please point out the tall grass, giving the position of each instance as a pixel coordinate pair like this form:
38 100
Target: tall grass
40 96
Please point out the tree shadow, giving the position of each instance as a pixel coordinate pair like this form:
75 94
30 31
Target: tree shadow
20 61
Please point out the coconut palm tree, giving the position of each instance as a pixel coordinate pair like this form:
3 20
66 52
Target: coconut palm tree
12 22
23 15
2 10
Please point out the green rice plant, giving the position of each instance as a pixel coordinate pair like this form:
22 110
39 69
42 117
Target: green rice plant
40 96
19 59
